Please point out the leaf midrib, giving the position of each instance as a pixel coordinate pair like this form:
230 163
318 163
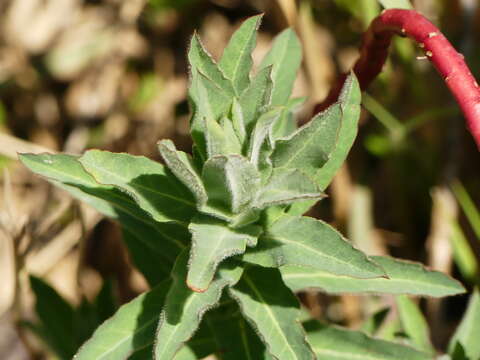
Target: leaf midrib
269 311
333 276
330 257
80 181
153 191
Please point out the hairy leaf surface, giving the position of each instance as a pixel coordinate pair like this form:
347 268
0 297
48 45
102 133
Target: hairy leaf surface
335 343
285 57
305 241
184 308
236 61
273 311
212 242
404 277
156 191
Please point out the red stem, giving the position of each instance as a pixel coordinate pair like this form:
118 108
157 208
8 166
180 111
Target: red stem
448 62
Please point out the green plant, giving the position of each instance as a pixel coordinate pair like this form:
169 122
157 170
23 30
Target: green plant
223 228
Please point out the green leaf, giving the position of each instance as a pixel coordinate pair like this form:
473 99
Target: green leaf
286 124
466 335
236 61
273 311
231 183
403 277
221 138
414 324
349 99
209 101
184 308
285 56
286 186
181 165
154 189
57 319
261 134
238 121
335 343
212 242
305 241
131 329
235 338
309 148
256 98
165 240
233 144
201 61
200 346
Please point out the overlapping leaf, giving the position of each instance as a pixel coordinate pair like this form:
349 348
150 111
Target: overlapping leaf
212 242
335 343
309 148
162 239
305 241
465 340
231 183
414 324
184 308
156 191
273 311
182 166
403 277
285 57
236 61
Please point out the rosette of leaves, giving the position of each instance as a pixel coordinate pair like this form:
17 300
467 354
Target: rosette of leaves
223 227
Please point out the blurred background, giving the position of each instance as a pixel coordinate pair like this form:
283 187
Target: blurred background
112 74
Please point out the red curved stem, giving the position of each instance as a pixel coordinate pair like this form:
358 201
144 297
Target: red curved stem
448 62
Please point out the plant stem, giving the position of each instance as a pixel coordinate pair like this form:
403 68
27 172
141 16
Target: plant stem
448 62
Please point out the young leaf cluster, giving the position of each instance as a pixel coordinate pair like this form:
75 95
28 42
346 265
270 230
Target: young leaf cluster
224 226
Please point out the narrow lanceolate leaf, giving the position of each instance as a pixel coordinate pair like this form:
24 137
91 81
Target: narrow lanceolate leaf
256 97
155 190
286 186
336 343
164 240
285 56
305 241
261 134
181 165
309 148
403 277
465 340
221 137
208 100
184 308
350 99
202 61
236 339
56 319
231 182
286 124
414 324
233 144
236 61
238 121
131 329
212 242
200 346
273 311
